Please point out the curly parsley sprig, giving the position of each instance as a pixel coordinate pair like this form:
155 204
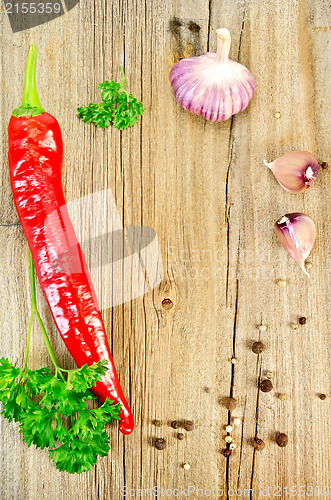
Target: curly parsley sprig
118 107
52 412
51 408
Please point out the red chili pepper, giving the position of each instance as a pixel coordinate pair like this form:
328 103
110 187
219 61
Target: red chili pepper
35 163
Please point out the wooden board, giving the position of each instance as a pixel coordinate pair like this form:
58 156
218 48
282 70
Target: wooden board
204 189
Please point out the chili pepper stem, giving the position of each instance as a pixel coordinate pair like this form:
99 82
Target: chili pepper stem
30 101
30 95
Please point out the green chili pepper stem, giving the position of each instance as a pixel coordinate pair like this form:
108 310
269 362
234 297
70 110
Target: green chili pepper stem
30 94
30 101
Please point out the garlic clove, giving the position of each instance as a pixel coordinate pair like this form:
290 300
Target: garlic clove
295 171
296 233
213 85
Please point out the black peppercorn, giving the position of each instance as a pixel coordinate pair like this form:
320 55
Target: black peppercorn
302 320
259 444
257 347
266 385
160 444
188 425
226 452
230 404
322 397
157 423
175 424
281 439
180 436
167 304
324 165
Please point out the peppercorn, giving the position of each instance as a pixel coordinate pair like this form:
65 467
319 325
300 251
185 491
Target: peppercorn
281 439
230 404
266 385
174 424
302 320
180 436
160 444
259 444
226 452
257 347
324 165
322 397
167 304
157 423
192 26
188 425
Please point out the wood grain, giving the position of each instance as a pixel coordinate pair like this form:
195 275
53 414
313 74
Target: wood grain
204 189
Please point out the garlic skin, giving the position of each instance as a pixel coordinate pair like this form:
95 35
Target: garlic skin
295 171
213 85
296 233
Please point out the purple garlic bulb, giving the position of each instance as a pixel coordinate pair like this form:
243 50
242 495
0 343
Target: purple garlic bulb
213 85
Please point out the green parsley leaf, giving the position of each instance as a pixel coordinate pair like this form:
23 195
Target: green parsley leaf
118 107
88 376
8 373
60 420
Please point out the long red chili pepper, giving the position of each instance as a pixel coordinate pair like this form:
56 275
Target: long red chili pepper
35 163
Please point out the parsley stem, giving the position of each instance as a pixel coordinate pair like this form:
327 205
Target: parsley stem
122 83
28 343
36 312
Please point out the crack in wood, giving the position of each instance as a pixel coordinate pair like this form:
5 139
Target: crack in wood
233 355
124 466
227 207
241 33
227 220
209 23
241 442
259 370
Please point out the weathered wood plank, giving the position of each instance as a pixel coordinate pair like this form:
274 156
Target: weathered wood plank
204 189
